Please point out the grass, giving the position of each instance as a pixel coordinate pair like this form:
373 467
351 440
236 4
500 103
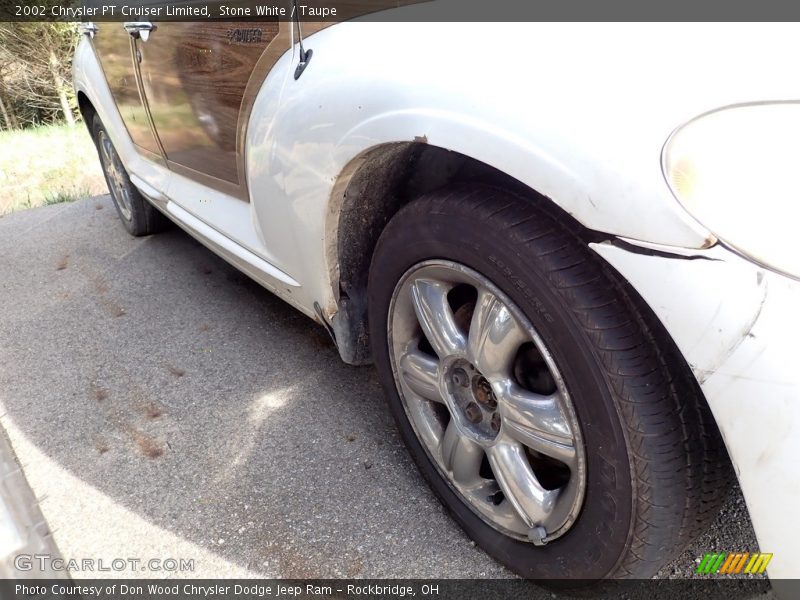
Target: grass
47 165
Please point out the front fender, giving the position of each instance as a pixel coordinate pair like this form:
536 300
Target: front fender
585 129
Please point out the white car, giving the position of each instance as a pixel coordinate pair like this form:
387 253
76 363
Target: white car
568 249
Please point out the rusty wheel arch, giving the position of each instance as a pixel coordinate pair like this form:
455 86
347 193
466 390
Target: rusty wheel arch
370 190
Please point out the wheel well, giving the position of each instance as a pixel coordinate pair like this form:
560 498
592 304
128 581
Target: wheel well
377 184
369 192
86 108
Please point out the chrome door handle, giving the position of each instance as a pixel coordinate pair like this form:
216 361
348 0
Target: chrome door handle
139 29
89 29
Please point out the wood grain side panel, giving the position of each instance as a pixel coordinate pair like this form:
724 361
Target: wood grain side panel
195 75
276 48
113 46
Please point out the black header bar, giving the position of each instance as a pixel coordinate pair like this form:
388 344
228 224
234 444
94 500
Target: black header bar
402 10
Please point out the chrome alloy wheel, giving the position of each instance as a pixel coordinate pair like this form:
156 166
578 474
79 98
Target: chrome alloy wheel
487 401
115 175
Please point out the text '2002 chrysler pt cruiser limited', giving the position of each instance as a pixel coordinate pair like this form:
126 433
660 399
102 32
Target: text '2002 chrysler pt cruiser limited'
573 270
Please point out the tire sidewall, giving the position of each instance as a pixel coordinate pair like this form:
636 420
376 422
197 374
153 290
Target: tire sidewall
595 543
131 224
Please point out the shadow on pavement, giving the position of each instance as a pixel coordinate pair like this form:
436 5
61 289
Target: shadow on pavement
159 375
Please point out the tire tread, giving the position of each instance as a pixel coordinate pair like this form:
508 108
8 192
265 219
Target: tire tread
679 464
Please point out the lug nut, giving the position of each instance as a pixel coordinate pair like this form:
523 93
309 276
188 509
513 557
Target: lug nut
460 377
474 413
495 422
484 394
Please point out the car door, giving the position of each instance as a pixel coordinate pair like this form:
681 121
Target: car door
199 80
115 51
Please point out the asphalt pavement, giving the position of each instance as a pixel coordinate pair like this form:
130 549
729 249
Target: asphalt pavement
165 406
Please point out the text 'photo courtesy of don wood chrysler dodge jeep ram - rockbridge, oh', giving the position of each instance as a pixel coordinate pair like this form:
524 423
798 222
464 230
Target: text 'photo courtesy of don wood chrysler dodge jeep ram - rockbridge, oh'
573 265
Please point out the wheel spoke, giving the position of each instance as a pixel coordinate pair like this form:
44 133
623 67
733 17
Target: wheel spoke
457 345
104 149
494 336
536 421
519 484
421 372
436 317
461 456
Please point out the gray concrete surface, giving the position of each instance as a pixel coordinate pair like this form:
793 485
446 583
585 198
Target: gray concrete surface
166 406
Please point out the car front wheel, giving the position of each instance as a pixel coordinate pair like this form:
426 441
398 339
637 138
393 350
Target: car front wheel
137 215
542 401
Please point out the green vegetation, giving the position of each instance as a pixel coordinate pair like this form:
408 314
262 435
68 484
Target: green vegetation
47 165
42 161
35 63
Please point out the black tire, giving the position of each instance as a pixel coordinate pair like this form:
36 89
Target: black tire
140 217
656 468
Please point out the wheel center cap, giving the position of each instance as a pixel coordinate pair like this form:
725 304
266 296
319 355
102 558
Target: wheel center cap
473 400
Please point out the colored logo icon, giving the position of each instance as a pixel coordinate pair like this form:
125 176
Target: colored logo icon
724 563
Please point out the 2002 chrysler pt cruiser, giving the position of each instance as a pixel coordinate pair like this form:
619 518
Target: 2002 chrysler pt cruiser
568 249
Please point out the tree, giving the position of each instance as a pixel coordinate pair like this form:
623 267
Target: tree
6 110
35 72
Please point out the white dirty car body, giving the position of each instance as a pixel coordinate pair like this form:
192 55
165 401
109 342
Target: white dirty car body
605 125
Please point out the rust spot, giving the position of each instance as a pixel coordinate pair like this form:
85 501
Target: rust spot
62 263
148 446
102 447
100 394
177 372
100 286
350 437
204 327
99 207
153 411
709 242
